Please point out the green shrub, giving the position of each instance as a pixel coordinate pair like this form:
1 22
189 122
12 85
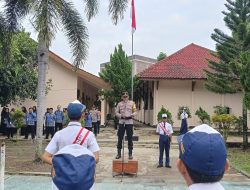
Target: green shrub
17 118
203 115
224 121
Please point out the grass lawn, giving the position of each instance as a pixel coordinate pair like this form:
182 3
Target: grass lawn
239 159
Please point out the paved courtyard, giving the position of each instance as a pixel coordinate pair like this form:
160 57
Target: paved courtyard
149 177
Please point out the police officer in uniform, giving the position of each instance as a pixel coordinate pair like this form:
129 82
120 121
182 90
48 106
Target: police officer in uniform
125 111
165 130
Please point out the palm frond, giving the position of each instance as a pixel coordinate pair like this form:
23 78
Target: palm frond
15 10
76 32
117 9
91 8
46 15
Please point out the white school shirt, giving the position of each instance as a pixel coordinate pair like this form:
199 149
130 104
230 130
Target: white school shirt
168 128
184 115
206 186
67 136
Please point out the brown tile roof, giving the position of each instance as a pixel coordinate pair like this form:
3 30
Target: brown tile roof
187 63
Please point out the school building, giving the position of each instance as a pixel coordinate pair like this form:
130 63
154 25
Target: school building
68 85
178 80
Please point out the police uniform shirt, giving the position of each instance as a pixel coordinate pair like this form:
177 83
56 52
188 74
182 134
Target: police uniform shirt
125 109
167 126
67 136
206 186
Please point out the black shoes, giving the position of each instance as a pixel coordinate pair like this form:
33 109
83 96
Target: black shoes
118 156
130 157
160 166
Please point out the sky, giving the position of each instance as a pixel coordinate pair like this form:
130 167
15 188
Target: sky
162 26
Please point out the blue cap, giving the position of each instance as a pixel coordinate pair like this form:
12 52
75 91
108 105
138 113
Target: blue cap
75 109
203 150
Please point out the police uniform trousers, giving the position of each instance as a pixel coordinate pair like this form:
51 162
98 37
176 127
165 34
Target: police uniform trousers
164 144
129 131
184 128
98 126
94 124
58 126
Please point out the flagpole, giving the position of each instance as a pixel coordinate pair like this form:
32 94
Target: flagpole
132 73
133 63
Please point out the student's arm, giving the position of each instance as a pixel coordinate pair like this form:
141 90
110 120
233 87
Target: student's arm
47 157
157 129
96 156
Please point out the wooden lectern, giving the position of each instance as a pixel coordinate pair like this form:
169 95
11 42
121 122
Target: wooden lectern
126 167
121 167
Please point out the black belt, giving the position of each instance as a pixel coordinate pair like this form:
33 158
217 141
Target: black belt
126 118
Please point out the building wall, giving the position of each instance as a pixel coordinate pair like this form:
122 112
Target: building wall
62 92
174 93
64 89
89 92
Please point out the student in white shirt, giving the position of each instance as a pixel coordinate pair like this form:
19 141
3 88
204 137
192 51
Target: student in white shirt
74 133
164 129
203 158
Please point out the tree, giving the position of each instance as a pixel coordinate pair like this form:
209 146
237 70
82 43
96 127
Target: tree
223 77
118 75
19 77
48 16
161 56
169 114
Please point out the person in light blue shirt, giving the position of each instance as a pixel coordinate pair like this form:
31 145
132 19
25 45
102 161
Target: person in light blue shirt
88 120
35 112
59 119
50 123
30 122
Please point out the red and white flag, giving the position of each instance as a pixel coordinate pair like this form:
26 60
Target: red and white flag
133 16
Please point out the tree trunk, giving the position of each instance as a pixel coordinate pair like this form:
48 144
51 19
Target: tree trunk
42 66
245 128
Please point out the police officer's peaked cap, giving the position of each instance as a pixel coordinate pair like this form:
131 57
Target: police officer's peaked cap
75 109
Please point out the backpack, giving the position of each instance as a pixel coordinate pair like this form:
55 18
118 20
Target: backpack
74 166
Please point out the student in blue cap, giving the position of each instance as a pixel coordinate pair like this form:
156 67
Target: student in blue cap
203 158
73 134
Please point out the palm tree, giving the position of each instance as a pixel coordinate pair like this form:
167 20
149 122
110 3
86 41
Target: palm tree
47 17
